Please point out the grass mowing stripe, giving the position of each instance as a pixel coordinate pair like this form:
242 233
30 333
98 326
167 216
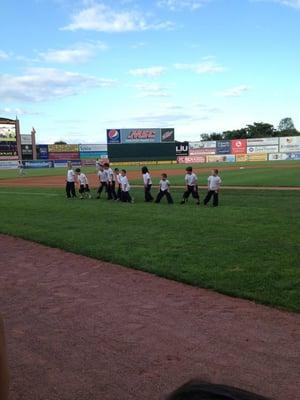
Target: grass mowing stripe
248 247
28 194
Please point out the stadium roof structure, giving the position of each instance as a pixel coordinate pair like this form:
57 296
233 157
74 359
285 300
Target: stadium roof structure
7 121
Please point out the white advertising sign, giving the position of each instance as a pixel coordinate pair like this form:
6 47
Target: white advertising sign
26 139
263 142
211 144
92 147
289 144
262 149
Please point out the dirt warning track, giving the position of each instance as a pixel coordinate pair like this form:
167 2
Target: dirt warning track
78 328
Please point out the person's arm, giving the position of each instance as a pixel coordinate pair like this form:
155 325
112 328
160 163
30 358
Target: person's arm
4 375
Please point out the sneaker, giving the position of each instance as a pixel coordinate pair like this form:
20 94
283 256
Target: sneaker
98 197
182 202
198 203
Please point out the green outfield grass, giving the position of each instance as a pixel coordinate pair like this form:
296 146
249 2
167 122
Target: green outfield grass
285 173
248 247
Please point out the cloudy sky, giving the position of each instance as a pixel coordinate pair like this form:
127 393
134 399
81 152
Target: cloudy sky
73 68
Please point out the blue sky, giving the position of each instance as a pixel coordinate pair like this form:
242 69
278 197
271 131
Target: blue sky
73 68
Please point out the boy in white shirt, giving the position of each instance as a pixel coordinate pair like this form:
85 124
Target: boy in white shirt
103 178
125 188
147 184
83 184
214 182
118 181
111 184
191 182
164 189
70 182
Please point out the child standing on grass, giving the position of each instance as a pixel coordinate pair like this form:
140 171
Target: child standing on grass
191 182
102 175
111 184
83 184
21 168
147 184
214 182
164 189
125 188
70 182
118 181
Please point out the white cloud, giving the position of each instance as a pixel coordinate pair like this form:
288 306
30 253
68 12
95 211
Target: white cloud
289 3
42 84
234 91
78 53
101 18
148 72
3 55
151 90
207 66
180 4
17 111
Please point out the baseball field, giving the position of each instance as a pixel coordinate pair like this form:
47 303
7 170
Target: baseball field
248 247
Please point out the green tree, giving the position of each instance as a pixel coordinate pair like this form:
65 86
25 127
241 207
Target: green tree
286 124
236 134
260 130
60 142
212 136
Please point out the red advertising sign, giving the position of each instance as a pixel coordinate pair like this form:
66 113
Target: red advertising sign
63 156
239 146
191 160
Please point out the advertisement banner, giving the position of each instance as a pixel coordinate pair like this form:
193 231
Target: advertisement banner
93 155
197 152
64 163
63 148
223 147
26 150
26 139
113 136
251 157
168 135
42 152
239 146
140 136
182 148
38 164
262 149
8 154
84 148
63 156
289 144
9 164
221 158
8 146
191 160
7 133
93 162
284 156
208 144
263 142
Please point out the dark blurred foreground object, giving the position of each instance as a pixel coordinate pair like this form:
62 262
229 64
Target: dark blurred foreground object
197 390
4 378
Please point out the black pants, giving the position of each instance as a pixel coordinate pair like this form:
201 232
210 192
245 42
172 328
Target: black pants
111 191
125 197
163 193
103 185
119 192
84 189
215 195
193 190
70 189
148 196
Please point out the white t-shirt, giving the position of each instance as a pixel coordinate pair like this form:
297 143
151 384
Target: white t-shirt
164 184
118 178
147 179
124 184
82 179
110 174
102 176
191 179
71 176
214 182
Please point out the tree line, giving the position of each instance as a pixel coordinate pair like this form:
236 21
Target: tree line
286 127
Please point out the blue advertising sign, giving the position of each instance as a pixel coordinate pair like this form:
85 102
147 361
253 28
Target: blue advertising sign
38 164
223 147
140 136
42 151
113 136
